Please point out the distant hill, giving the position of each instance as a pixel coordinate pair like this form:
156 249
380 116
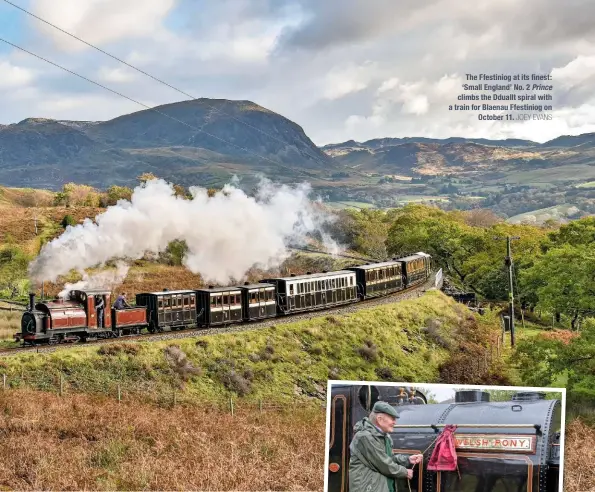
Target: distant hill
462 156
207 141
233 137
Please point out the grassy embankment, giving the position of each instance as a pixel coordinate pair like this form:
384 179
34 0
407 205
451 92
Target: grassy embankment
405 341
85 439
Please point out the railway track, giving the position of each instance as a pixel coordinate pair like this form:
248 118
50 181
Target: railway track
410 293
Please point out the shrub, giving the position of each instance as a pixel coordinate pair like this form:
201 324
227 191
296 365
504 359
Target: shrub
179 363
385 373
118 348
68 220
369 351
237 383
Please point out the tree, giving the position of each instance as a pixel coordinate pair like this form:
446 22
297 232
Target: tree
68 220
563 281
181 191
13 270
542 361
175 252
144 177
115 193
577 232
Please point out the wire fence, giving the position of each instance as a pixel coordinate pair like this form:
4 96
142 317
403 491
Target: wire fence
170 397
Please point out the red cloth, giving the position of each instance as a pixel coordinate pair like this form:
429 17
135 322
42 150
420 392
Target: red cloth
444 457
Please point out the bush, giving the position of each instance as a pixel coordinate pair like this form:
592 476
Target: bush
385 373
237 383
68 220
369 351
119 348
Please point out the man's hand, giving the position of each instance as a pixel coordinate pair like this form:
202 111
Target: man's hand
416 458
409 474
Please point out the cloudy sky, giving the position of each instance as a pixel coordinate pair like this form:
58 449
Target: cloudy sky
342 69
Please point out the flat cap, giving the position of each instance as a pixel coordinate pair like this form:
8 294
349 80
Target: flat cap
383 407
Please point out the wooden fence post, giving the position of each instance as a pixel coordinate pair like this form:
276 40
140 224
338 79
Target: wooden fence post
231 404
4 382
119 394
61 384
260 404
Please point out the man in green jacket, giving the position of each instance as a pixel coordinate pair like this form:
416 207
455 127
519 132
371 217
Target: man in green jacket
372 466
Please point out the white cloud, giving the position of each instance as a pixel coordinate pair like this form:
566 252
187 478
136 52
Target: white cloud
13 76
576 72
117 75
344 80
100 21
369 69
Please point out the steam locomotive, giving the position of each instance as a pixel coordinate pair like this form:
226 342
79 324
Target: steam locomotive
501 446
76 318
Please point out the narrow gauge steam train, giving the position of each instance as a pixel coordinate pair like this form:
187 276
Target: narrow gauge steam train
501 446
76 319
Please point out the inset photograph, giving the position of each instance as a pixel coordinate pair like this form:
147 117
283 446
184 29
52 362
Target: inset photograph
395 437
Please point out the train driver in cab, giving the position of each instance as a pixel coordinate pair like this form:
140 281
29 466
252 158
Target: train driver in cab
372 466
100 307
121 302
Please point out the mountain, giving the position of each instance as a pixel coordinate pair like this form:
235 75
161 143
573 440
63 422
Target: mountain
207 141
461 156
202 141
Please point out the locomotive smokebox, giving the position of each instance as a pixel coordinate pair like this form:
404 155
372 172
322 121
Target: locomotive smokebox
467 396
31 301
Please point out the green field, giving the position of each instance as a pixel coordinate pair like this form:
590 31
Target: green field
348 204
590 184
549 176
542 214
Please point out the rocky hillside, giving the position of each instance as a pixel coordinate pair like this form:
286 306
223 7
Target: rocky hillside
462 157
203 141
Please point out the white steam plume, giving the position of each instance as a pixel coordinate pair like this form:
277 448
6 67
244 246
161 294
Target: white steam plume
107 280
226 235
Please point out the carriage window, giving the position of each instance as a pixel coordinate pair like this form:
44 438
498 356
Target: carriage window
291 290
185 301
160 303
271 295
351 281
213 301
225 299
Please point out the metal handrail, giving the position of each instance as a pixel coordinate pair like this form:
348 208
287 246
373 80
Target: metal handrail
474 426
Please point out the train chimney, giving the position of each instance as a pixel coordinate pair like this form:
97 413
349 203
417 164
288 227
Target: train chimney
308 273
31 301
467 396
246 283
528 396
210 286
